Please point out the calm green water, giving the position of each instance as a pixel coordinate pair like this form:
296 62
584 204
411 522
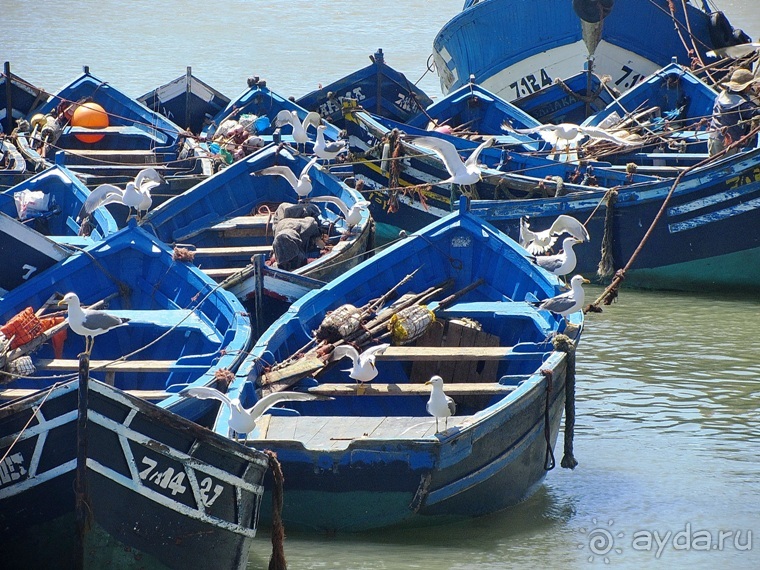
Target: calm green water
668 428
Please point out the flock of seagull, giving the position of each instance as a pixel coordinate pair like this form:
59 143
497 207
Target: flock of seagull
137 196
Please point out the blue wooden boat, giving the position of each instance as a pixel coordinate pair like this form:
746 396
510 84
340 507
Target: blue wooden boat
252 117
18 95
670 110
230 217
570 99
26 253
159 490
378 88
705 240
50 203
187 101
371 456
472 110
411 196
555 38
113 141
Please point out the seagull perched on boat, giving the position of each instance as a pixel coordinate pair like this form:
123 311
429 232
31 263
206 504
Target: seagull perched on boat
363 369
243 420
463 172
300 128
89 323
135 195
302 184
328 150
439 404
563 135
538 242
569 302
562 263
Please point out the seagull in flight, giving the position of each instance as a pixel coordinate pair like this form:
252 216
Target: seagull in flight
562 263
462 172
89 323
538 243
135 195
242 420
363 369
302 184
439 404
352 215
328 150
300 128
563 135
569 302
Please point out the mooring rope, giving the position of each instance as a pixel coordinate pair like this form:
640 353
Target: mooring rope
563 343
549 462
607 262
277 560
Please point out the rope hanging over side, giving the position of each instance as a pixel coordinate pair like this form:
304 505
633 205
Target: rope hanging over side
277 560
563 343
549 461
607 262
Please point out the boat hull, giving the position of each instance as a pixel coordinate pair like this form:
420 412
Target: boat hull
483 468
517 47
159 491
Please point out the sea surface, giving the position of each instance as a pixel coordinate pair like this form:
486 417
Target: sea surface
668 396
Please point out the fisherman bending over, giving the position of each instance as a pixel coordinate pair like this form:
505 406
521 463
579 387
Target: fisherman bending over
733 112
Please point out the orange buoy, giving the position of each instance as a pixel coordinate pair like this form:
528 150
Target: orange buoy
92 116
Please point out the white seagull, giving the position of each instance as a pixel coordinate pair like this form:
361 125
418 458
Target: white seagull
569 302
242 420
439 404
734 52
563 135
300 134
328 150
363 369
538 242
352 215
135 195
462 172
89 323
302 184
562 263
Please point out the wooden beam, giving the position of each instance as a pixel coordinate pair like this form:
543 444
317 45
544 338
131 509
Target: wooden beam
62 365
234 250
373 389
432 353
13 393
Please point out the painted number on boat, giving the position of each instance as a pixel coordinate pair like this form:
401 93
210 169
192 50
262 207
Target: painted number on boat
175 482
530 83
737 181
330 107
12 469
166 479
628 78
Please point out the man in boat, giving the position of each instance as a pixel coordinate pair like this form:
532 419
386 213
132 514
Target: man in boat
733 113
297 232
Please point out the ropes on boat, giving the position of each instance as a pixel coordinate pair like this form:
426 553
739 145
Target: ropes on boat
564 344
277 560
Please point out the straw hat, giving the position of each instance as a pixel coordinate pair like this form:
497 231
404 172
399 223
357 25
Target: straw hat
740 80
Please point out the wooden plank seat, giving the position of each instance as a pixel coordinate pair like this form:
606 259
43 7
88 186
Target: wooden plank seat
70 364
377 389
120 130
247 250
13 393
257 222
437 353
